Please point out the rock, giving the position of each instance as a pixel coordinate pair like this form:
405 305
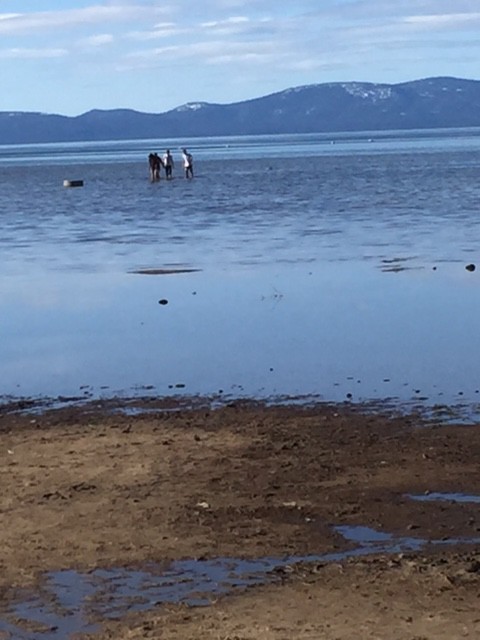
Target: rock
474 567
163 301
470 267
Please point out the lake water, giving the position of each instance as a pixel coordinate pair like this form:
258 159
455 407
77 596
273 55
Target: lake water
327 266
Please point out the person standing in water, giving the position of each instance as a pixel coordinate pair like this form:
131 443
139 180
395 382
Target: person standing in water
151 166
187 163
168 163
154 164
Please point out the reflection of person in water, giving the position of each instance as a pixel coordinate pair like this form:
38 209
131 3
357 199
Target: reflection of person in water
154 163
168 164
187 163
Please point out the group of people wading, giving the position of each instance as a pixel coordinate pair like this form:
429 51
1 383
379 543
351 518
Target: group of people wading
157 163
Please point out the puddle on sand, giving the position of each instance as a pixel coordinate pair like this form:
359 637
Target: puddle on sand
364 535
446 497
70 600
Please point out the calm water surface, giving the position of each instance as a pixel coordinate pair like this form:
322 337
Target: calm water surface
327 266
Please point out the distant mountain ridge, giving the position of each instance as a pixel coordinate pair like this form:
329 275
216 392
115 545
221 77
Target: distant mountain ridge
317 108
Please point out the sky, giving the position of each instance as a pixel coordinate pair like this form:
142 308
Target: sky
70 56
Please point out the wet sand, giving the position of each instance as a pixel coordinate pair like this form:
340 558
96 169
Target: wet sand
91 487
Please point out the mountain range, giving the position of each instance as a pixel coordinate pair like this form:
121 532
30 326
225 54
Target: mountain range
329 107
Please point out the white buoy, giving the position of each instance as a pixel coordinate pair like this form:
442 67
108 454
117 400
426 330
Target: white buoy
73 183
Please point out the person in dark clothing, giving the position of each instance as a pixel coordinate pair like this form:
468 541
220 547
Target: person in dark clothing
155 163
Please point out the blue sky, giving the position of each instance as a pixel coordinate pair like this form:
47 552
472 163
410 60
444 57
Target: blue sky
71 56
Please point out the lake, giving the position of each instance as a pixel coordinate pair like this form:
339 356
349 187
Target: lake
325 266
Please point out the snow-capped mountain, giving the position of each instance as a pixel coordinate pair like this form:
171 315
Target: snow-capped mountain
329 107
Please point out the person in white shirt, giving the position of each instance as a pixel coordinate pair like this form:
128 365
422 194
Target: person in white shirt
168 163
187 163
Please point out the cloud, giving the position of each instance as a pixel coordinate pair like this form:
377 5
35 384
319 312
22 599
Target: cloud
230 26
99 40
253 35
11 24
9 16
210 52
228 21
160 31
444 21
31 54
380 9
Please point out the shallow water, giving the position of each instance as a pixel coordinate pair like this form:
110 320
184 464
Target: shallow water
411 210
70 600
332 268
435 496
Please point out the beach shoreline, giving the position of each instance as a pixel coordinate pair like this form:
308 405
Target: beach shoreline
100 486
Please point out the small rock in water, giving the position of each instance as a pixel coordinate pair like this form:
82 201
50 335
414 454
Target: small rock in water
163 301
470 267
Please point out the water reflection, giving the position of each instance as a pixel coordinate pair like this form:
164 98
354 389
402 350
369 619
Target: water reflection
339 332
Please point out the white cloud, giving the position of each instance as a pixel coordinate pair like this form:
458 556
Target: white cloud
159 31
9 16
96 14
30 54
212 24
210 52
98 40
442 21
336 35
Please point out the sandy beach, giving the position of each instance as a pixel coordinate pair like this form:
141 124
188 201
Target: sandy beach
93 487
